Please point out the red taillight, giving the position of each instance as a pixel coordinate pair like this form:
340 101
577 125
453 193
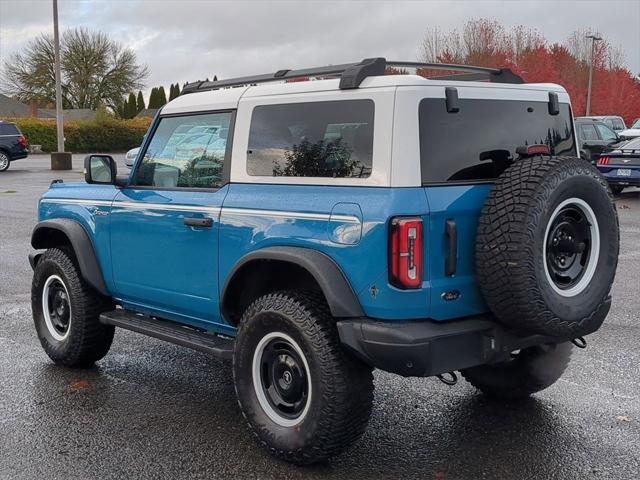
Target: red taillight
603 161
22 141
531 150
405 255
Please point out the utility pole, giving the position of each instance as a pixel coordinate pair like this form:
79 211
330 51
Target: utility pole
594 39
59 159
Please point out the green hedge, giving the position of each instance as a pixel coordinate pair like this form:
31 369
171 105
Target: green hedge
106 135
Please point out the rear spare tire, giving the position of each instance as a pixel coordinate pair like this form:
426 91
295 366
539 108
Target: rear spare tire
547 246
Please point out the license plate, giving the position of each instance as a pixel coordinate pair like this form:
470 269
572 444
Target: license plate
624 172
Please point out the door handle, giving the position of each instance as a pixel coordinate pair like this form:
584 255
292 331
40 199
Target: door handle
451 262
205 222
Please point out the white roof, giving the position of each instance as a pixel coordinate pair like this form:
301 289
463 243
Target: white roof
228 98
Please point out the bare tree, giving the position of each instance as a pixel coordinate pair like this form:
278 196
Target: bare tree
95 71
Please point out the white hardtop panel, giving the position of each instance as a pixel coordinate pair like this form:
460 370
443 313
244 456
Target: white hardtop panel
405 166
382 126
223 99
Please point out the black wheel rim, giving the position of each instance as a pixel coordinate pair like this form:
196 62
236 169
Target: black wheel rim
58 307
284 378
568 247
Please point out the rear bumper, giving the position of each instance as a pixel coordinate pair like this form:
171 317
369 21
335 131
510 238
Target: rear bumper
423 348
19 155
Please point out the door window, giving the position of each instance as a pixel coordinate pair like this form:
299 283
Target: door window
186 152
588 132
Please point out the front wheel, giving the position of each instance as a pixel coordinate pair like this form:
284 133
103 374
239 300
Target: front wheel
527 371
304 397
66 310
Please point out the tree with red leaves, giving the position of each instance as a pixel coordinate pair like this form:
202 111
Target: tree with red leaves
485 42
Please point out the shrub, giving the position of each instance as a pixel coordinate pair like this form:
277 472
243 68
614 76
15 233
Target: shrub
101 135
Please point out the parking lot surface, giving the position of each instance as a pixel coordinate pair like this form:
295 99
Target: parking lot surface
155 410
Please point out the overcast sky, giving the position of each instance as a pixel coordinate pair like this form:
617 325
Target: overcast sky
184 40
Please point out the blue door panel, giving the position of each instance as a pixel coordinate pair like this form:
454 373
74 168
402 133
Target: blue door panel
158 261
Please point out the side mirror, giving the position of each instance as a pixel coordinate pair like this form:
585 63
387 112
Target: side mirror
100 169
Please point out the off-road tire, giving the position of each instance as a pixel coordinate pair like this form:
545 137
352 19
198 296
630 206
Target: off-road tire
512 236
88 340
529 371
342 386
4 161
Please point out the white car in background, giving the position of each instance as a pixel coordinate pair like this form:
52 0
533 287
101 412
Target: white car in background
632 132
130 157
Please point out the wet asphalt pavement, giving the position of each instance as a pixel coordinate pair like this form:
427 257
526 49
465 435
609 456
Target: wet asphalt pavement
154 410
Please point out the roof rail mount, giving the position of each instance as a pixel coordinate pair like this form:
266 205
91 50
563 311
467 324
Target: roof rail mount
352 74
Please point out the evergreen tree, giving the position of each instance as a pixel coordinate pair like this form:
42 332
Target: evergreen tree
172 92
162 97
153 98
131 106
140 103
177 89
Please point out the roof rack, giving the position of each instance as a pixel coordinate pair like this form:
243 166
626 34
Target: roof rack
352 74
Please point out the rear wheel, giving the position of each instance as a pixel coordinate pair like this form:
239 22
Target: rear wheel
66 310
527 371
304 397
4 161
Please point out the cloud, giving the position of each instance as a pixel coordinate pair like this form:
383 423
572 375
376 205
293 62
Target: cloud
190 40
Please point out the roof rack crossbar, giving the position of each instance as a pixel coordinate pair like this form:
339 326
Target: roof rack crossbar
352 74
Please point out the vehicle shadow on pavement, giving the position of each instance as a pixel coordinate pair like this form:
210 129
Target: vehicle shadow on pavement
472 437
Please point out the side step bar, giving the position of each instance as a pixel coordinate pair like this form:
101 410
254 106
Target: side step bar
220 347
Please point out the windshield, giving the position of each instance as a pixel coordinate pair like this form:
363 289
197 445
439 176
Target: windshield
636 124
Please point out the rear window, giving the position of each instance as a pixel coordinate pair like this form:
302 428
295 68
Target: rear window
313 139
9 129
479 141
618 124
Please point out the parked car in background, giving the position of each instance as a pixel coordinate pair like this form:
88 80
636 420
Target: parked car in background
595 138
631 132
131 156
614 122
621 167
13 145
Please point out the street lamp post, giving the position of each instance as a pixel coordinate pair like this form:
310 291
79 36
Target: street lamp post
59 160
594 39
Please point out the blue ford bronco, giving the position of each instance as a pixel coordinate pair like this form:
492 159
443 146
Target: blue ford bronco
312 231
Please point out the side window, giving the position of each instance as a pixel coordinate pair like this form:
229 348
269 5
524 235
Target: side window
588 132
606 133
186 151
314 139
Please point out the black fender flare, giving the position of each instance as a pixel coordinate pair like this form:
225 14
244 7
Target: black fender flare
80 242
342 300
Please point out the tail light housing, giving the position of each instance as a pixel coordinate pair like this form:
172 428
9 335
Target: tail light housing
604 160
405 252
22 141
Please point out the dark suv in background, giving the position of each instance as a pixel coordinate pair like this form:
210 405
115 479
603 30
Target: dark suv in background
13 145
595 138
